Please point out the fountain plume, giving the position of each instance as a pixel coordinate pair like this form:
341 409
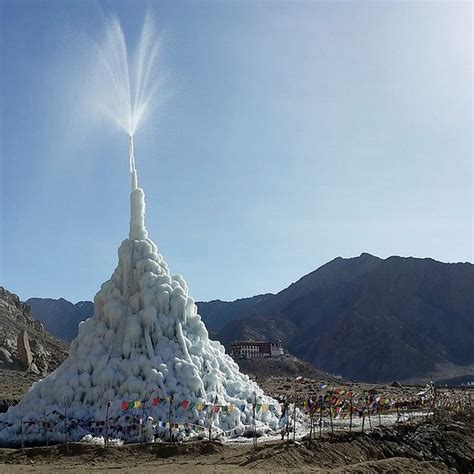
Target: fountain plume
133 78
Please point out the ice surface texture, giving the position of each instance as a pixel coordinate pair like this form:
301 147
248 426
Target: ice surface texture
144 341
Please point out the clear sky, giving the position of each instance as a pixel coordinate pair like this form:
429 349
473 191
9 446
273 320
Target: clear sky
290 133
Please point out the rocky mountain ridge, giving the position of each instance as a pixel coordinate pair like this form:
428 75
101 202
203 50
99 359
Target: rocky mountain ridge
372 319
60 317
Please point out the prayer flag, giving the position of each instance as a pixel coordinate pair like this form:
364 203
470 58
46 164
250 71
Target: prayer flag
124 405
156 402
137 403
130 404
185 403
199 406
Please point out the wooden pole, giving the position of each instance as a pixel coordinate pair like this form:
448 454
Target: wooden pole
254 409
210 423
142 431
363 416
350 413
45 426
330 417
368 413
22 435
214 403
106 439
294 416
65 424
169 415
287 420
320 417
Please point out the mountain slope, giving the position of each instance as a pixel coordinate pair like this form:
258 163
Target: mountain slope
216 314
373 319
399 319
60 317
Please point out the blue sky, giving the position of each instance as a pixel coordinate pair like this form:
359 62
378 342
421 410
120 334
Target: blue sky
290 133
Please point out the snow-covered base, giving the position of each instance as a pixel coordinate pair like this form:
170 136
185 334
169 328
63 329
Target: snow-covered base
303 427
145 341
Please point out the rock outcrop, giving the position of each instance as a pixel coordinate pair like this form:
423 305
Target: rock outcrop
24 350
24 344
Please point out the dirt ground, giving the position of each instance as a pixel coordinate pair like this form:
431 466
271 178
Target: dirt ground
428 446
15 383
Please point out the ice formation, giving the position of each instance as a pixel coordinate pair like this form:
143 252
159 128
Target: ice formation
144 361
145 342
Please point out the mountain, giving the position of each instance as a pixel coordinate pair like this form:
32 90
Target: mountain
60 317
218 313
372 319
24 343
364 318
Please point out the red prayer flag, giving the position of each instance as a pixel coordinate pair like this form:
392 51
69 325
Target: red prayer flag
124 405
185 403
156 401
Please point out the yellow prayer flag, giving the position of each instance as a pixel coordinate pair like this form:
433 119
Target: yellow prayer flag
199 406
137 403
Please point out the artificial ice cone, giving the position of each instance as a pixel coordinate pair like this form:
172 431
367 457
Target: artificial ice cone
145 343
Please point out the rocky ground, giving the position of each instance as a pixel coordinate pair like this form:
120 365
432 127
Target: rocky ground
429 446
278 379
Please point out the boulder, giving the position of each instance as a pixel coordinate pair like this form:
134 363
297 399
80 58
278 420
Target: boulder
34 369
5 356
24 350
38 325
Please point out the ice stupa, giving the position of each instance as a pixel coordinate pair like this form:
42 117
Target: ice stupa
144 357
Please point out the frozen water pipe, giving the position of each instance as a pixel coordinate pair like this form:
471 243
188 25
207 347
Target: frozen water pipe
137 202
133 168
